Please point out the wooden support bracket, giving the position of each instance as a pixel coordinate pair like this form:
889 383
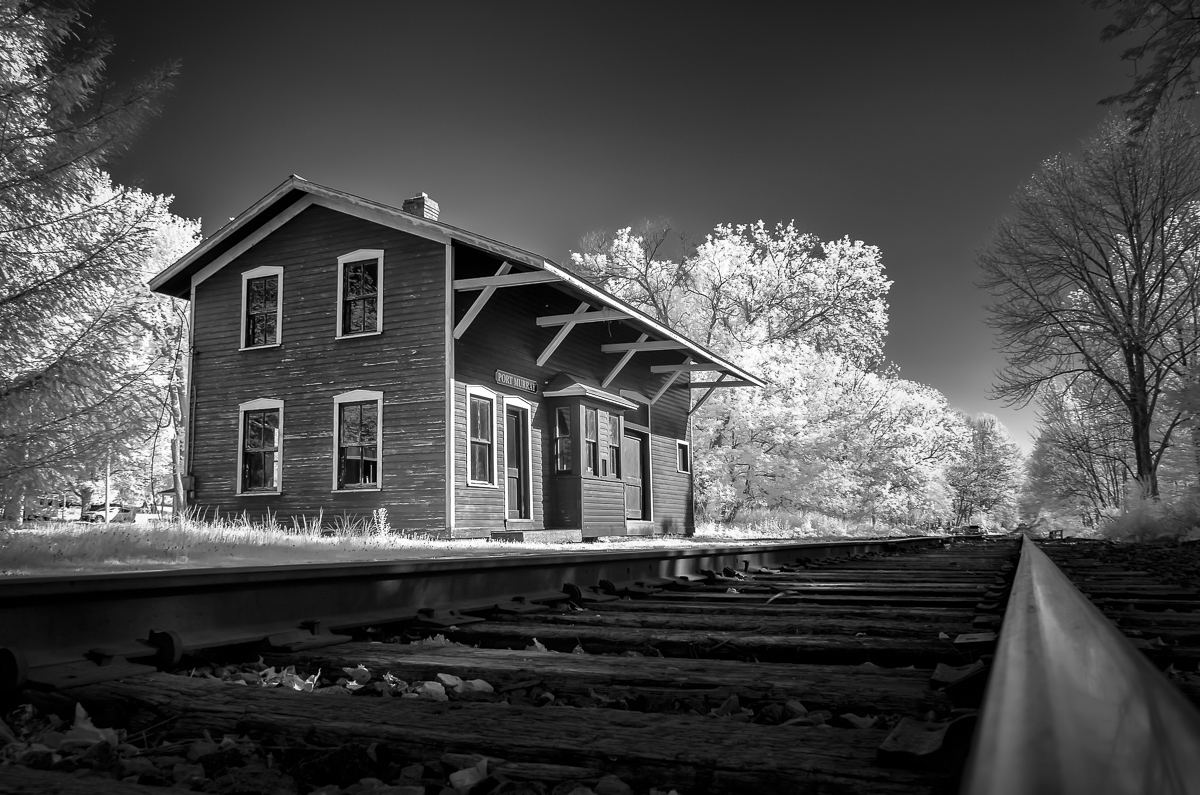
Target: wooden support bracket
562 333
480 302
621 364
712 388
670 380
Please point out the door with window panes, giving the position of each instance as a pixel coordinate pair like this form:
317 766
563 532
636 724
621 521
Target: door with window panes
516 446
631 466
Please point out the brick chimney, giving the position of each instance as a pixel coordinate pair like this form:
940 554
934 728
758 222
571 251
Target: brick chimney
421 205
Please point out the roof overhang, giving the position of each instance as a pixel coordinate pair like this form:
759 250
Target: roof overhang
567 385
296 193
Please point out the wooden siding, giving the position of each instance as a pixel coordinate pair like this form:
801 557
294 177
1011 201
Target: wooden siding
603 507
672 495
406 362
480 510
505 336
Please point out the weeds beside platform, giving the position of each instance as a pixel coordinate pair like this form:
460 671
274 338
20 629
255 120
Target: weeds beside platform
68 547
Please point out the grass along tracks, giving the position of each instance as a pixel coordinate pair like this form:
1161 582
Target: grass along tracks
811 677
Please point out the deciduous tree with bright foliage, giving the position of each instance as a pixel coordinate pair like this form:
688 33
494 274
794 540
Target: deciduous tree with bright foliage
83 349
834 431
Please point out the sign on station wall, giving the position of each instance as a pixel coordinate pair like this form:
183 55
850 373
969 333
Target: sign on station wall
516 381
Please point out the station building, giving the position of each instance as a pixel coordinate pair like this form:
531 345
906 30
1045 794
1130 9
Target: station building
347 356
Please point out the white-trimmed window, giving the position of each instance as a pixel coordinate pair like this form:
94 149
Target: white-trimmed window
683 456
262 306
591 441
562 440
358 440
614 445
360 293
260 447
481 436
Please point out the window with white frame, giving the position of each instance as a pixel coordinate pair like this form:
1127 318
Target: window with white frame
360 293
562 440
614 445
481 437
262 306
358 438
591 442
260 447
683 456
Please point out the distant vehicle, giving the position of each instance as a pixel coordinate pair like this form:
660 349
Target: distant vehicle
968 530
47 509
116 513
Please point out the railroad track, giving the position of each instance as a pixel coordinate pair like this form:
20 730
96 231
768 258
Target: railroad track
1160 618
798 673
812 668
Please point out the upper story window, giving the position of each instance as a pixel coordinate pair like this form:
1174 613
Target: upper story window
562 440
481 435
260 447
262 306
360 292
358 437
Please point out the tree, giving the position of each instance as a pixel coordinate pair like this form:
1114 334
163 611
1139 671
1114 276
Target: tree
627 263
986 474
1165 59
87 360
78 351
834 431
751 285
1096 275
1080 461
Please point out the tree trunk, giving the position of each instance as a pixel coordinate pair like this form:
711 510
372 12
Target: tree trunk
1140 419
14 507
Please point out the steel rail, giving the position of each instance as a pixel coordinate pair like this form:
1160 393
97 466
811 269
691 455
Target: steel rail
59 631
1071 707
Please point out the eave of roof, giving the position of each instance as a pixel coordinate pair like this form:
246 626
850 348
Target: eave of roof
567 385
176 279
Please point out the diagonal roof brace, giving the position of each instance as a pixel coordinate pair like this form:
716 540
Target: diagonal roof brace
562 333
670 380
480 301
712 388
621 364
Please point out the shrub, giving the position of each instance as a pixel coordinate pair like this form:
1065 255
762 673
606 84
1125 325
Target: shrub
1147 520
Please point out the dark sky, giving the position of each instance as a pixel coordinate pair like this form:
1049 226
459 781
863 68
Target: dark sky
905 125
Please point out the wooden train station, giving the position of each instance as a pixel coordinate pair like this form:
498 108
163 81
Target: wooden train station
348 356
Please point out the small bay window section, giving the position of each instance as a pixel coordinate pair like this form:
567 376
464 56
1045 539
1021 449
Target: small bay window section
360 293
262 307
562 441
481 437
260 447
358 438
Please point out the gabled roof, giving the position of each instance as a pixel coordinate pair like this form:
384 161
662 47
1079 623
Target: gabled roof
296 194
